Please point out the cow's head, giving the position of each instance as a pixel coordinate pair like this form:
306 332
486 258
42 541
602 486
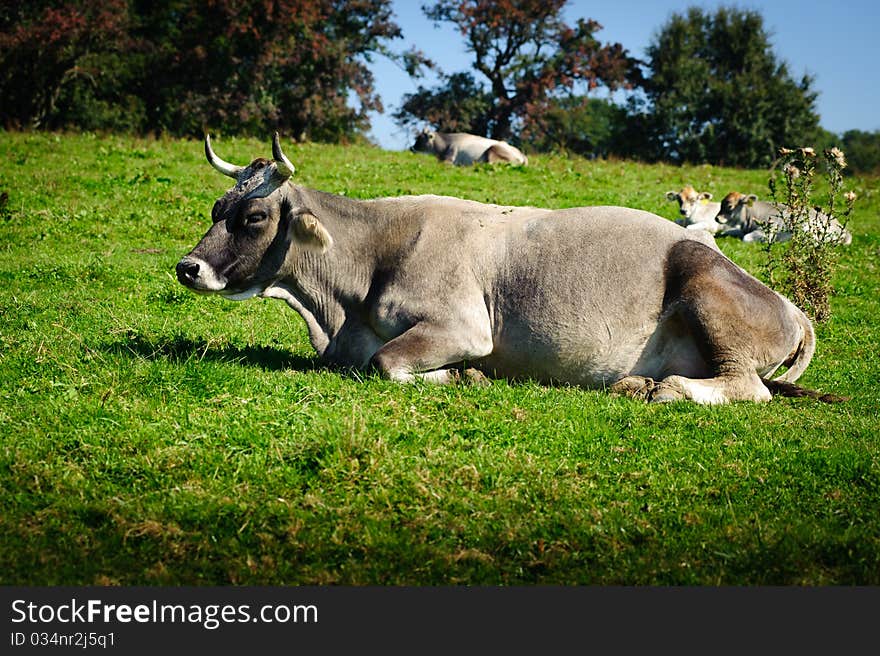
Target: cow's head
424 142
733 209
257 225
689 199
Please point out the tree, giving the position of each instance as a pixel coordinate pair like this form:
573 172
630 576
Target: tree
717 94
593 127
53 52
184 66
254 65
527 54
862 150
459 105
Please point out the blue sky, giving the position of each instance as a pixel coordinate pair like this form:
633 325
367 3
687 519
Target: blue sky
835 42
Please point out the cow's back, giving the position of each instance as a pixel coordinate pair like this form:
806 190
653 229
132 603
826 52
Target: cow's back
575 294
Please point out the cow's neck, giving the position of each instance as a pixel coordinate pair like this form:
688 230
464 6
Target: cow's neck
441 142
288 293
328 290
754 219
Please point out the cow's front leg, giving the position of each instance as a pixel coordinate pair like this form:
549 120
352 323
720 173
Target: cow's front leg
422 351
449 155
736 233
638 387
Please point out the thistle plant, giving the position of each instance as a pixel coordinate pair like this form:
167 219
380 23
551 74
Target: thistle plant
802 267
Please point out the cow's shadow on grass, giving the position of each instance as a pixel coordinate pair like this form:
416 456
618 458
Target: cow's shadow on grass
183 349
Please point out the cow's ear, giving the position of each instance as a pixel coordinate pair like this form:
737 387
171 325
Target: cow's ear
671 195
750 199
309 231
705 196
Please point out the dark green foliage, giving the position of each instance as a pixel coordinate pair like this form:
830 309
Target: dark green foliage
248 67
585 126
716 92
458 105
183 67
862 150
108 100
58 59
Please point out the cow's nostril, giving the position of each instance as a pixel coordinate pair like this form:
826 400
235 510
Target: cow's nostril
187 270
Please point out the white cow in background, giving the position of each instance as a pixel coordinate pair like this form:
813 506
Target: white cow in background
463 149
697 210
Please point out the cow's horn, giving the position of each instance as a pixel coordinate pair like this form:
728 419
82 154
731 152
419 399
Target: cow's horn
285 166
224 167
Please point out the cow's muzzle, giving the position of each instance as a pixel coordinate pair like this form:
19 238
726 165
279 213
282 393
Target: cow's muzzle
187 271
199 276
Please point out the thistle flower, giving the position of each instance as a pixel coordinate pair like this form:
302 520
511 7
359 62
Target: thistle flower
808 152
791 171
785 151
837 155
850 197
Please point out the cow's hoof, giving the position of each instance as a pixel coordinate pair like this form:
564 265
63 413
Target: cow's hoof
475 377
666 394
638 387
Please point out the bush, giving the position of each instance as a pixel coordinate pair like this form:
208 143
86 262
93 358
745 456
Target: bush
804 268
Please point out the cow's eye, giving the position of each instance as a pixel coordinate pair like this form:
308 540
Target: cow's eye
255 217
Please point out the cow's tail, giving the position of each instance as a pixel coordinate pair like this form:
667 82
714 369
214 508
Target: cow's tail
783 388
783 385
802 355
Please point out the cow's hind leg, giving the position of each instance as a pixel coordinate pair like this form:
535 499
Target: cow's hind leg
495 154
710 391
738 325
707 391
421 352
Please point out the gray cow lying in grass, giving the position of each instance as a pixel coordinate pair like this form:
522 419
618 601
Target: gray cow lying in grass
753 220
435 288
464 149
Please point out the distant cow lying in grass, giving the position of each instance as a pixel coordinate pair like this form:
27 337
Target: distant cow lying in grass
751 219
464 149
434 288
696 209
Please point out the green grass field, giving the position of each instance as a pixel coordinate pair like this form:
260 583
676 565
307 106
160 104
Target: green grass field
152 436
